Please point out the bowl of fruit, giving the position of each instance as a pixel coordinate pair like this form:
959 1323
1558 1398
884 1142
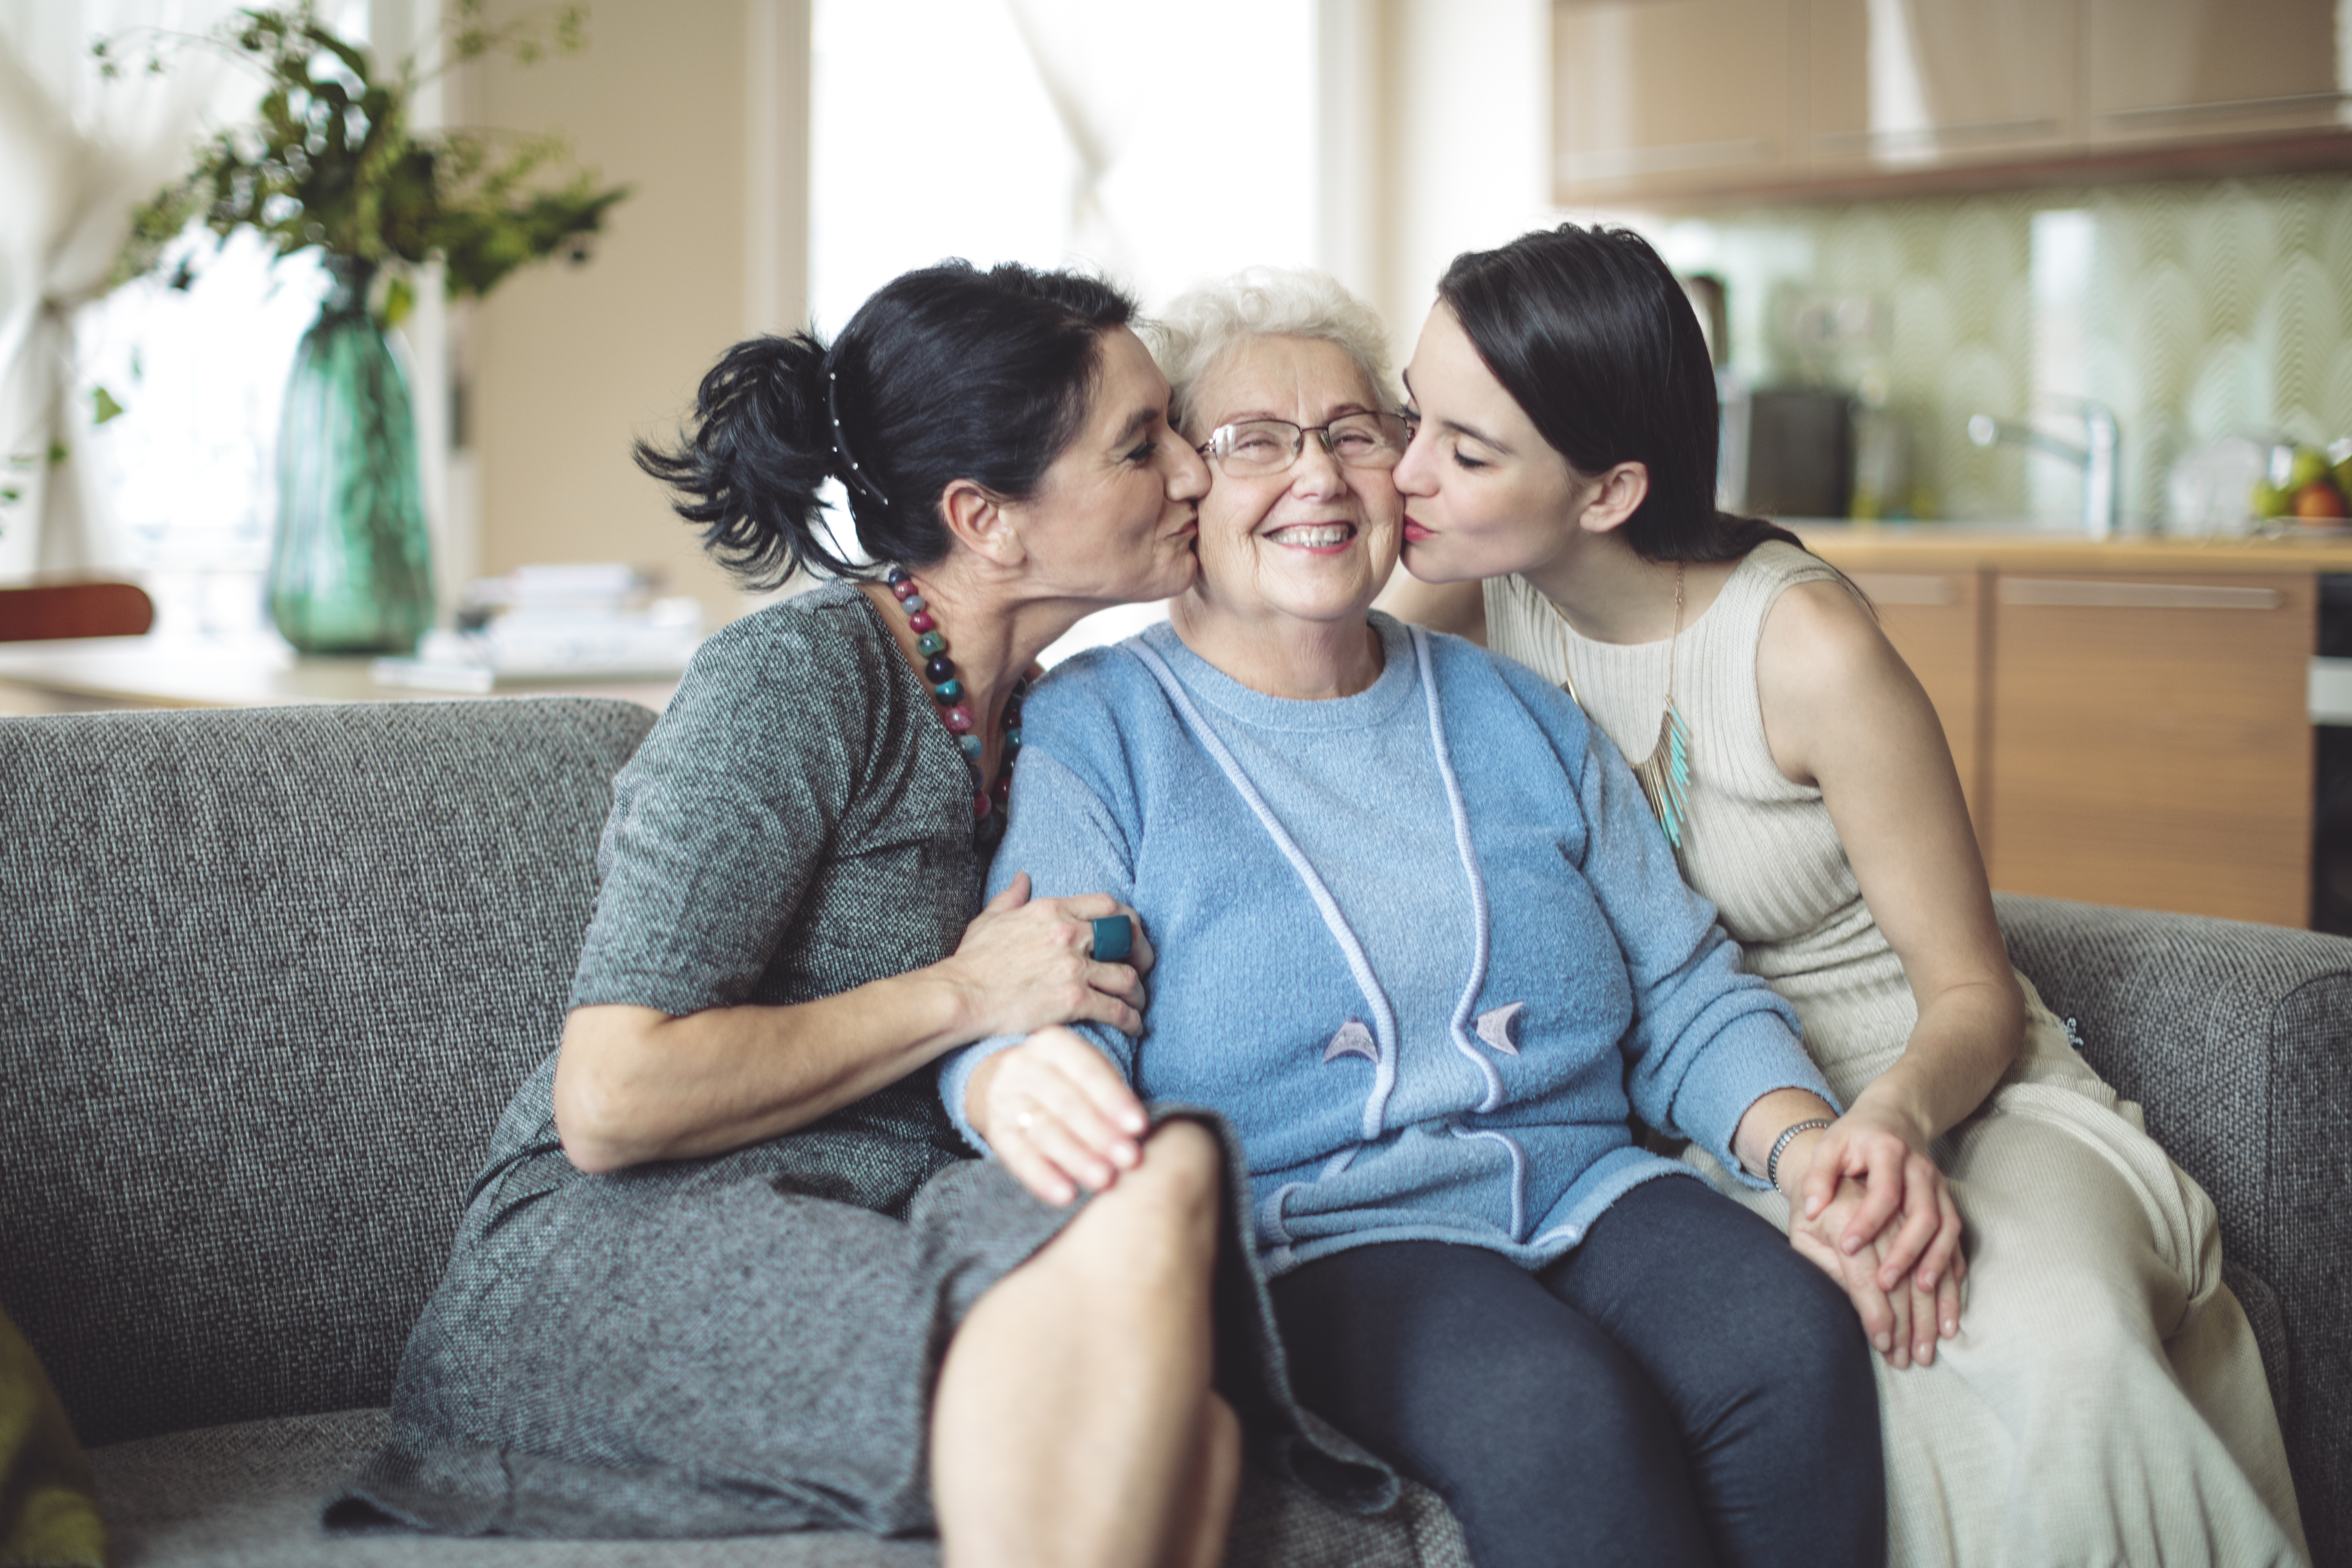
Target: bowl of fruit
2308 488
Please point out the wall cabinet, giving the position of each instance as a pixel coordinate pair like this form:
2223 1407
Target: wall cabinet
1673 95
2160 70
1676 100
1904 85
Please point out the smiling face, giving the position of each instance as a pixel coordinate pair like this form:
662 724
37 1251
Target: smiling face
1485 493
1112 521
1315 541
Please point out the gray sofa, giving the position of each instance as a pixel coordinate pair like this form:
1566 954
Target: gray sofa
270 975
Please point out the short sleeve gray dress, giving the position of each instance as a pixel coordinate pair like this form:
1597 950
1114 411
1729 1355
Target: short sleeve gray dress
743 1344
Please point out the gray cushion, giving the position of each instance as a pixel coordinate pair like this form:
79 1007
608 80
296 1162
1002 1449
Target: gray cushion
2236 1039
247 1496
271 975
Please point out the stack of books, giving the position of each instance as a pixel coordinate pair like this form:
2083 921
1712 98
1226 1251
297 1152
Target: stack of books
597 622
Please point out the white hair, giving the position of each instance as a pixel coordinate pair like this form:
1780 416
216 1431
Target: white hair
1205 321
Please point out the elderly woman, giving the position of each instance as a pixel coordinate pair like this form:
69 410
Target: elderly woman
1422 944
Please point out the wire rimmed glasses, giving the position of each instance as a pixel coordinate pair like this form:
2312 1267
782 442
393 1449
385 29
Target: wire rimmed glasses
1270 446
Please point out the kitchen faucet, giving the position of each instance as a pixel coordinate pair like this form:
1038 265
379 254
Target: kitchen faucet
2095 458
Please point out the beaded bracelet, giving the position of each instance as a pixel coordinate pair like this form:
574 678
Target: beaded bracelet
1788 1136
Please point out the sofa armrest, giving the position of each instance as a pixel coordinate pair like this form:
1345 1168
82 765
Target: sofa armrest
2236 1040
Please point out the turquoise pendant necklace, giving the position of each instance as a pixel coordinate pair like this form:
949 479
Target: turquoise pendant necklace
1664 775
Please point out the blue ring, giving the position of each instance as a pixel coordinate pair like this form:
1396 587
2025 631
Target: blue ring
1114 938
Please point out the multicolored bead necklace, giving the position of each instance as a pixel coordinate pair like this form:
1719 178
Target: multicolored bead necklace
947 691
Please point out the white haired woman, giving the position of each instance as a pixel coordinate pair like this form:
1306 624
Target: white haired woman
1426 982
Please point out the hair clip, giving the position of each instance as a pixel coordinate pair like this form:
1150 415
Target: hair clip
840 448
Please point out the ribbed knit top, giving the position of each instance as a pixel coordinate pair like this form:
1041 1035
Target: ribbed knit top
1760 848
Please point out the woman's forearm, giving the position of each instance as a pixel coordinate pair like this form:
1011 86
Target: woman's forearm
1762 1124
632 1084
1966 1038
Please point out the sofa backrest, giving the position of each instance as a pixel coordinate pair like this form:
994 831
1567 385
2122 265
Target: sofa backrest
2236 1041
270 977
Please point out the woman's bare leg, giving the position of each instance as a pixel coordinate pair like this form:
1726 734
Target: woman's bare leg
1209 1503
1074 1423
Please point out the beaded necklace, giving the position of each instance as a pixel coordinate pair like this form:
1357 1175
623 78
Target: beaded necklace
947 691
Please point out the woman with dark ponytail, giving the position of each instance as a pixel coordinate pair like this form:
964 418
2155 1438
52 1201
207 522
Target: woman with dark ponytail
2103 1399
729 1267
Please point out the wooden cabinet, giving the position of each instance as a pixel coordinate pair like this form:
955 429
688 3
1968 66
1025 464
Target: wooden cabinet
2160 70
1669 95
2131 720
1913 82
1678 99
2150 743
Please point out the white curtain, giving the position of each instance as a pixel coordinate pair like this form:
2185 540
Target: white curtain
1193 128
1070 43
79 153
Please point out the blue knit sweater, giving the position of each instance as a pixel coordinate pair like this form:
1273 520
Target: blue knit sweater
1424 947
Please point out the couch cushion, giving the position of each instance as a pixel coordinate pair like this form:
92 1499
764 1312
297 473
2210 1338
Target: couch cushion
271 975
2233 1038
247 1496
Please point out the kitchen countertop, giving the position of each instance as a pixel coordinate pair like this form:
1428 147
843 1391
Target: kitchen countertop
1971 547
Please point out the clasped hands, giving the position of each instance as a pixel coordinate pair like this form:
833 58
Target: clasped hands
1052 1108
1866 1203
1871 1210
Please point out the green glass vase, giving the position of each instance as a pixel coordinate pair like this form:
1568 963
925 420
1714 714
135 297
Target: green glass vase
351 568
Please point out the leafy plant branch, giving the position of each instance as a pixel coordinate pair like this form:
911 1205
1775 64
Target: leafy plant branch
331 161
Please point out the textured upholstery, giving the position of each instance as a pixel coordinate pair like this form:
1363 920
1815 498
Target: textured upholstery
246 1496
2236 1040
272 975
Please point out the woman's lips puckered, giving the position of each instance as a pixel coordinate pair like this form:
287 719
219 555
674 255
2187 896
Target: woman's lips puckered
1414 532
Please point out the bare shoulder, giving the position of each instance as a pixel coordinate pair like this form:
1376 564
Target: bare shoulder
1820 636
1824 669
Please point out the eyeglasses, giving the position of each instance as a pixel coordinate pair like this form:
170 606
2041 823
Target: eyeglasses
1270 446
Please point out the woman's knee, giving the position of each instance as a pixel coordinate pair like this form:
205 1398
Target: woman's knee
1158 1221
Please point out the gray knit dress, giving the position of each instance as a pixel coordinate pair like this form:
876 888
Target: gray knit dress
748 1342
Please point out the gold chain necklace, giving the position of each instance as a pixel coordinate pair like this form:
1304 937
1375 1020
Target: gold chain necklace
1664 774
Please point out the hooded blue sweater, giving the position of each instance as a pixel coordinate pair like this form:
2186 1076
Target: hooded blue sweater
1424 947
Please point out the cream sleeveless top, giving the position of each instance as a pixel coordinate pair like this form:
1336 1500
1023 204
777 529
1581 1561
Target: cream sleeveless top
2071 1208
1762 848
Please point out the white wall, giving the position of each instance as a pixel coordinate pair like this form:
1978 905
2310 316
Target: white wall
1467 94
1375 138
565 365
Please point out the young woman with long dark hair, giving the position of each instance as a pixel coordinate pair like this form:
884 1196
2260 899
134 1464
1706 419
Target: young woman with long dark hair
2100 1397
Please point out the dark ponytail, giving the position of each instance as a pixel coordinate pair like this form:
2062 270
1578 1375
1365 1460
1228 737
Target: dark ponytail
947 372
1589 332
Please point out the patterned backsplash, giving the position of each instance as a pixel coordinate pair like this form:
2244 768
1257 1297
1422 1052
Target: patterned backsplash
2195 310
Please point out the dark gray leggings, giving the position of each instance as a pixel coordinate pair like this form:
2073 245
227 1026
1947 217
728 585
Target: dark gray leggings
1682 1388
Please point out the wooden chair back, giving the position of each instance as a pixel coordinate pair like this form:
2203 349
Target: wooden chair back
75 610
